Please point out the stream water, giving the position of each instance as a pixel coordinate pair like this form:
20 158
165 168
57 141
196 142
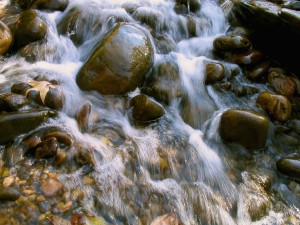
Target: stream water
175 165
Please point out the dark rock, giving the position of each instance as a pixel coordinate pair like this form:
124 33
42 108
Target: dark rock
277 106
149 16
282 84
289 166
60 136
244 90
164 84
130 7
83 116
257 71
47 149
9 195
20 88
30 27
191 5
12 102
180 9
247 58
116 72
214 72
244 127
231 42
6 38
145 110
295 5
14 124
53 5
60 157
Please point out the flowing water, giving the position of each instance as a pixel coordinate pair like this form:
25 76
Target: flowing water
143 172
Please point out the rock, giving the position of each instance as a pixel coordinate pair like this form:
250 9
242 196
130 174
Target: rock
164 84
60 157
295 5
164 44
257 71
149 16
51 187
38 51
16 123
289 166
130 7
83 116
167 219
12 102
9 194
214 72
60 136
145 110
180 9
6 38
47 149
192 5
231 42
277 106
247 58
116 72
244 127
282 84
53 5
241 91
7 181
30 27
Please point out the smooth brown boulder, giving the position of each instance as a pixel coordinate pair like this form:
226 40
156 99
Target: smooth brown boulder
6 38
231 42
277 106
10 102
289 166
214 72
247 128
119 63
145 110
30 27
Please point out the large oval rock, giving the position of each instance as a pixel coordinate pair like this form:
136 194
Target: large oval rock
119 63
231 42
244 127
145 110
30 27
14 124
214 72
5 38
277 106
289 166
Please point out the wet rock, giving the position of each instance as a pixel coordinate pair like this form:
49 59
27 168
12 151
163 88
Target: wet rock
289 166
38 51
145 110
7 181
9 194
164 84
60 157
117 72
83 116
164 44
214 72
244 127
149 16
180 9
60 136
241 91
53 5
295 5
130 7
231 42
277 106
12 102
6 38
247 58
47 149
14 124
42 92
192 5
168 219
282 84
51 187
257 71
30 27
